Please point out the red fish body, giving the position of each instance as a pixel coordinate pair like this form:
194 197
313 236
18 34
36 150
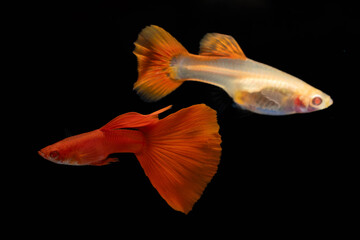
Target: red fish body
92 148
179 153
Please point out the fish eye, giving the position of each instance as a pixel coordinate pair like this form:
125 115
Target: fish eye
316 101
54 154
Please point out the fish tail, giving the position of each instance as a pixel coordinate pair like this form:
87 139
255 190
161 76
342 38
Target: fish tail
181 155
154 49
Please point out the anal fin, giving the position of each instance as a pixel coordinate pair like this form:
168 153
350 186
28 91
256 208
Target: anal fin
104 162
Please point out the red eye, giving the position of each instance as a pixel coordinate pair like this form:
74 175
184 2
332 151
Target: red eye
316 101
54 154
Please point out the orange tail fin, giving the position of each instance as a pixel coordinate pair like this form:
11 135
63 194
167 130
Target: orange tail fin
182 154
154 50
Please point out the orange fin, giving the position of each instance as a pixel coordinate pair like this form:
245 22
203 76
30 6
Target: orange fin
182 154
105 162
221 45
133 120
156 113
154 49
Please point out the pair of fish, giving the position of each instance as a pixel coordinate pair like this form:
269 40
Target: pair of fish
181 152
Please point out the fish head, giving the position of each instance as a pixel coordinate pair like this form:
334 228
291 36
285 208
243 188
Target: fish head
311 101
57 153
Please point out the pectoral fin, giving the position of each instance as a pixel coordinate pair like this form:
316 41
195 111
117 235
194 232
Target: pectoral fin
257 100
270 99
273 94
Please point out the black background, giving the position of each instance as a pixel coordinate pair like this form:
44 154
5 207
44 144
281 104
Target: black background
277 175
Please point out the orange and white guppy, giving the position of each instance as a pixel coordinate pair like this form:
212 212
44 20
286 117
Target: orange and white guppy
179 153
164 64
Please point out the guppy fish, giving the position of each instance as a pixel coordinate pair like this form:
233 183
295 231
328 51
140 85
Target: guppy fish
179 153
164 64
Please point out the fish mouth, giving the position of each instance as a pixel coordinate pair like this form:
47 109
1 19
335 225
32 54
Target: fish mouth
41 154
330 102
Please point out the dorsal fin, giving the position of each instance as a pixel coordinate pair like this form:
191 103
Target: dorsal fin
221 45
133 120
